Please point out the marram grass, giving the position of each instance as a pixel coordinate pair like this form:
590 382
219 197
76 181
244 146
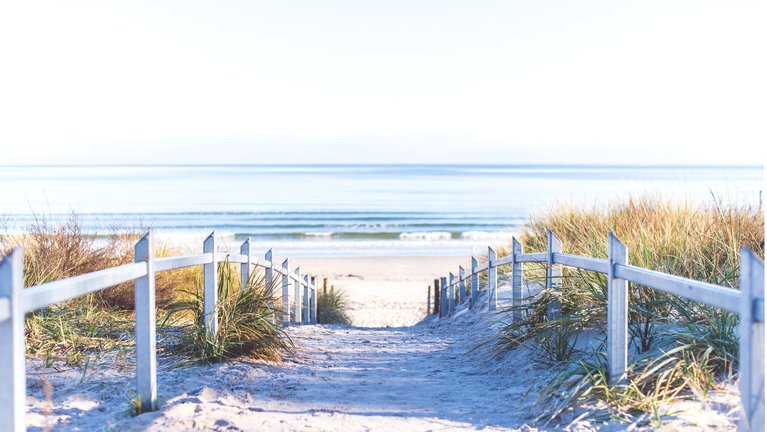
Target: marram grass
332 307
678 348
246 325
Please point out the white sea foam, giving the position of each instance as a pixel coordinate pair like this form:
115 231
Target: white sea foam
486 235
319 234
433 235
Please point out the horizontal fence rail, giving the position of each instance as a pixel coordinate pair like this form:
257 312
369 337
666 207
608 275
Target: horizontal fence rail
747 302
16 301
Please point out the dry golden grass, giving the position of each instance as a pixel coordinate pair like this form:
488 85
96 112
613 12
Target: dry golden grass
677 347
94 323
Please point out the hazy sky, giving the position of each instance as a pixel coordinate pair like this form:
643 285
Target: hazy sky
383 81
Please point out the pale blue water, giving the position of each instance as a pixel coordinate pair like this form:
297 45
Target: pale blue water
345 210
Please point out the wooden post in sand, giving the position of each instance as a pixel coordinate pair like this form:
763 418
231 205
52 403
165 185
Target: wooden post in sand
285 293
492 279
269 280
751 341
245 267
553 275
451 294
474 283
297 296
146 315
443 309
313 300
617 313
305 303
210 281
461 284
13 375
428 299
516 279
436 296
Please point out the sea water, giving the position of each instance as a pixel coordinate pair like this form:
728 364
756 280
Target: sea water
345 210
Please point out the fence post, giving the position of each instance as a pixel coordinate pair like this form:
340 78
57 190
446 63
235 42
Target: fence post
285 293
553 275
492 279
451 294
617 313
13 401
474 283
146 326
461 284
297 296
245 268
751 341
305 302
313 302
443 308
516 279
436 296
271 289
210 281
428 300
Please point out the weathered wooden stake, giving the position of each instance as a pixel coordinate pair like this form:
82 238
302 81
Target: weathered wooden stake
461 284
516 279
752 349
13 378
492 280
474 283
210 281
436 296
553 276
285 293
428 299
617 313
443 308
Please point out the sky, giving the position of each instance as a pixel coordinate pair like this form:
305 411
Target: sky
429 81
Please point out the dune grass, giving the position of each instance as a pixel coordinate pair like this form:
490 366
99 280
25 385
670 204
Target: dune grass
332 307
246 320
74 331
677 348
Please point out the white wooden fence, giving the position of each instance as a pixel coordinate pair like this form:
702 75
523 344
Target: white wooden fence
16 301
748 302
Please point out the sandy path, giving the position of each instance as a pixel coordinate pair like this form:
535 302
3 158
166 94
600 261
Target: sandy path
431 376
342 378
383 291
345 378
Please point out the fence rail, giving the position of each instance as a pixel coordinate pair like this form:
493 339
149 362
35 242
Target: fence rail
16 301
747 302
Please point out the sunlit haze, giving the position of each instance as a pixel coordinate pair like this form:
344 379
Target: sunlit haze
385 82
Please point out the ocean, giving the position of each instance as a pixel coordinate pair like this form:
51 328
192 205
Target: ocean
344 210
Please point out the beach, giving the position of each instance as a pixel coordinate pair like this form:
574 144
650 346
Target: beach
383 291
436 375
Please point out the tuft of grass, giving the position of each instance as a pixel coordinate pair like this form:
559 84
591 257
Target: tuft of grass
245 321
332 307
135 408
678 348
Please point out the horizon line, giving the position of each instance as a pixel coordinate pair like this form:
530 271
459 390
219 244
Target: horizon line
425 164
